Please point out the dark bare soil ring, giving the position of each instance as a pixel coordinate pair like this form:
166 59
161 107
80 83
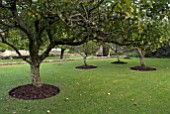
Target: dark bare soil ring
118 62
86 67
30 92
143 68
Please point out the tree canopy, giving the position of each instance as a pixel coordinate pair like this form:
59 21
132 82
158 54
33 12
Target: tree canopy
47 23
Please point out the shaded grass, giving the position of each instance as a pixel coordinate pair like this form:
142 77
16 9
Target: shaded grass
109 89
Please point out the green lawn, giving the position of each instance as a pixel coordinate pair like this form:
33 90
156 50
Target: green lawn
48 58
109 89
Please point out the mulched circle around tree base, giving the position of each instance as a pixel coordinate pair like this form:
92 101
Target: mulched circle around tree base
86 67
119 62
30 92
143 68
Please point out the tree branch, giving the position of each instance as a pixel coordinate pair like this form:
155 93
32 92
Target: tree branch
15 48
99 3
78 51
49 34
84 9
61 42
47 51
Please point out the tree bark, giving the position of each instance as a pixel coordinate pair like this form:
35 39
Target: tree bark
85 63
35 74
117 55
105 51
118 59
142 56
62 53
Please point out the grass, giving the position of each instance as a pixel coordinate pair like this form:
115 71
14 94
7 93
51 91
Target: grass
109 89
10 60
48 58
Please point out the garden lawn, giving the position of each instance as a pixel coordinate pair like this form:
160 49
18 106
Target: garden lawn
48 58
109 89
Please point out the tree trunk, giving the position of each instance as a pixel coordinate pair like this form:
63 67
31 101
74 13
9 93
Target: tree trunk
62 53
85 63
118 59
35 75
142 56
105 51
117 55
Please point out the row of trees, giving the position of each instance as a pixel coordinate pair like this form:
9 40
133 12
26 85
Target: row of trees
44 24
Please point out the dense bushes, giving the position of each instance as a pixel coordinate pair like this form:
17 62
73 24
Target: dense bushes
161 52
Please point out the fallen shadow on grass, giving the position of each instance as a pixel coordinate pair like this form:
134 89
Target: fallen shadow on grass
30 92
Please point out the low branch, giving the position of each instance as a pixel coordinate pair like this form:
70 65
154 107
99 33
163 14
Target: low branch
63 41
16 50
47 51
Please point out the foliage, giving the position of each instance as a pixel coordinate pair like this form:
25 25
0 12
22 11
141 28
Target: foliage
51 22
135 23
140 24
16 37
162 52
86 49
116 48
47 23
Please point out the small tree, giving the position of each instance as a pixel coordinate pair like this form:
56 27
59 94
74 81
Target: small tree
151 30
150 39
116 49
86 49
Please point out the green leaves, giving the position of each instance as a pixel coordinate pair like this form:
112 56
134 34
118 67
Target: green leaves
86 49
128 2
67 1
